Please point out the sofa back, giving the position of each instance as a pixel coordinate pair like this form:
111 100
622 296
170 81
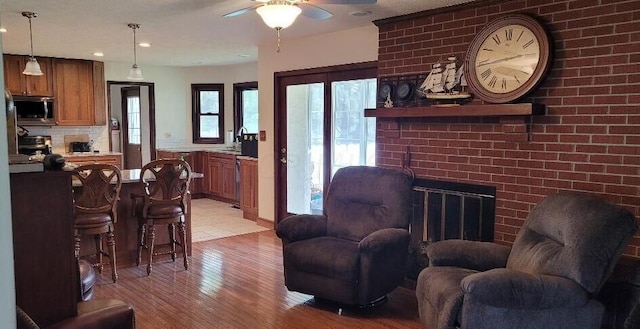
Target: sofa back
574 235
361 200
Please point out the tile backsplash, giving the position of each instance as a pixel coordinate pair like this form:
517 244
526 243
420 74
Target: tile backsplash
99 135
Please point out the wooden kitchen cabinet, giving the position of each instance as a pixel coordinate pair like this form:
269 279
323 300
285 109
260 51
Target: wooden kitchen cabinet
74 92
249 188
26 85
79 92
221 176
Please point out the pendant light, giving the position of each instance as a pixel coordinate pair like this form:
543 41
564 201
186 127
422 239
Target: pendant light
135 73
32 67
279 15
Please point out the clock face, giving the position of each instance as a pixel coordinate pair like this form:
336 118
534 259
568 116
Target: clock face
404 90
385 91
507 59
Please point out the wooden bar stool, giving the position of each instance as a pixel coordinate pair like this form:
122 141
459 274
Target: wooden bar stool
166 184
95 209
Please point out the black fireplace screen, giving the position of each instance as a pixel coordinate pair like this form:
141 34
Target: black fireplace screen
448 210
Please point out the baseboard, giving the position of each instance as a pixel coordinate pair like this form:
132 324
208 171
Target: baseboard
265 223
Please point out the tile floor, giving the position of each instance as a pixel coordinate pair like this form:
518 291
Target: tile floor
212 219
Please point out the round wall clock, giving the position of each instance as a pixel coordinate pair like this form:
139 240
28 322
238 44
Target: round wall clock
508 59
385 90
405 89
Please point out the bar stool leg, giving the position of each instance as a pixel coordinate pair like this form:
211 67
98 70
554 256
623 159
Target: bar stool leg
99 251
183 239
150 241
76 240
172 240
142 232
111 244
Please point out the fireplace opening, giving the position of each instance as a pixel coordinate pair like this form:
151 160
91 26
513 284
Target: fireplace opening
445 210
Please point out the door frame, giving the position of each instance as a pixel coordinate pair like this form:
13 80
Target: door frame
152 111
327 75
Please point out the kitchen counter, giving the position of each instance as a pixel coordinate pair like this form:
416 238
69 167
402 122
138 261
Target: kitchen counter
90 154
190 149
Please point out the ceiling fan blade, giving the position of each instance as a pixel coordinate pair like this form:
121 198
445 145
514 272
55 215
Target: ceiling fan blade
343 2
241 11
314 12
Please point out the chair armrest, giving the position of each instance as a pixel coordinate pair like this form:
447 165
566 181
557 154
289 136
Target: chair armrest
384 238
302 227
100 313
507 288
474 255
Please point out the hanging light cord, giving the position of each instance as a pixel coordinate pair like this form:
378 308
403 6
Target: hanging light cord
134 27
31 34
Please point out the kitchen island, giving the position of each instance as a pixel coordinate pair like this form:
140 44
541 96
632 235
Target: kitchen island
126 227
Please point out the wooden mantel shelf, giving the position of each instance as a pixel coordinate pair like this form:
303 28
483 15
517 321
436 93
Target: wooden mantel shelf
457 111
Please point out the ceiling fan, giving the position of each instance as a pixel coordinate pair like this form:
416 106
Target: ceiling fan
307 8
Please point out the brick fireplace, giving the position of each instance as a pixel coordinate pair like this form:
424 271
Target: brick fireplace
589 138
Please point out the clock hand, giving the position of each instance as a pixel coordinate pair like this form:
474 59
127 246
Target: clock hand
505 59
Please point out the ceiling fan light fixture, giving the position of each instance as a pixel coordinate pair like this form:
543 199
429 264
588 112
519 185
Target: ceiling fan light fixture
32 67
279 16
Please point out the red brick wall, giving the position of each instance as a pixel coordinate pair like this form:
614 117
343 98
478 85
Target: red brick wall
589 140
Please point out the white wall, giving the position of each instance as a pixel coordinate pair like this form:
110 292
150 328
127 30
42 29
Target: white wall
7 287
350 46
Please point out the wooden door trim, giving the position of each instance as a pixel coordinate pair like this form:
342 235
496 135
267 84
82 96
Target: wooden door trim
324 75
152 110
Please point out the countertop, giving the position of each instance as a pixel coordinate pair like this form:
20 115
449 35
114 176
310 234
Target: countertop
87 154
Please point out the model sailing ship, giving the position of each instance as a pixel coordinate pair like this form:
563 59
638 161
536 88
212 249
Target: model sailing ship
445 84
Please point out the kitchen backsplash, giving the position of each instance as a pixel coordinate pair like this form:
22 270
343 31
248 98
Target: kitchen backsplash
99 135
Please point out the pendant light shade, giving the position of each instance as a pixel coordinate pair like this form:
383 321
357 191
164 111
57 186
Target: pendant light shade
32 67
279 16
135 73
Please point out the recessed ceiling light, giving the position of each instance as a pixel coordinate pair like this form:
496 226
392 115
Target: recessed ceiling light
3 30
144 44
98 54
243 55
360 13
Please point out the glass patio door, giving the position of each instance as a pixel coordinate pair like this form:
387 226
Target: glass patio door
325 129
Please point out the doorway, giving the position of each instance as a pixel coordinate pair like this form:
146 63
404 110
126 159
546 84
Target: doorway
323 112
132 104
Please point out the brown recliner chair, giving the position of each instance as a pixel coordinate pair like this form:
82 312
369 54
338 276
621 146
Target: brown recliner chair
562 256
92 314
355 253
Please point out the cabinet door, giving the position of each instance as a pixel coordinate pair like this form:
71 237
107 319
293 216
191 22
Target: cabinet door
229 179
74 92
249 189
14 80
20 84
99 94
215 176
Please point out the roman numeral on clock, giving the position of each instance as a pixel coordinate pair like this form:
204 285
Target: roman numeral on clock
508 34
492 82
529 43
484 75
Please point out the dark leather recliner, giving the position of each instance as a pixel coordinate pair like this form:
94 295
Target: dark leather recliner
562 255
355 253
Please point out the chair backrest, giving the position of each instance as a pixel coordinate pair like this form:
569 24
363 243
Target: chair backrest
166 181
100 189
361 200
573 235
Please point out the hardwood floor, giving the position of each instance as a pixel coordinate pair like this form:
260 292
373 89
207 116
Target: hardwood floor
238 282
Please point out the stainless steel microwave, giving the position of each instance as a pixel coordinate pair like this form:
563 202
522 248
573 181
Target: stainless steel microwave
34 110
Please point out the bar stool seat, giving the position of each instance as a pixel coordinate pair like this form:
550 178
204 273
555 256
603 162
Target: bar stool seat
95 209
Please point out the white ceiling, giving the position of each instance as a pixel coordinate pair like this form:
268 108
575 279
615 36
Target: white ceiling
181 32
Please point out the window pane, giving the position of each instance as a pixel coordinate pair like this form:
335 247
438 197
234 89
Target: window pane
209 126
133 119
209 102
250 110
